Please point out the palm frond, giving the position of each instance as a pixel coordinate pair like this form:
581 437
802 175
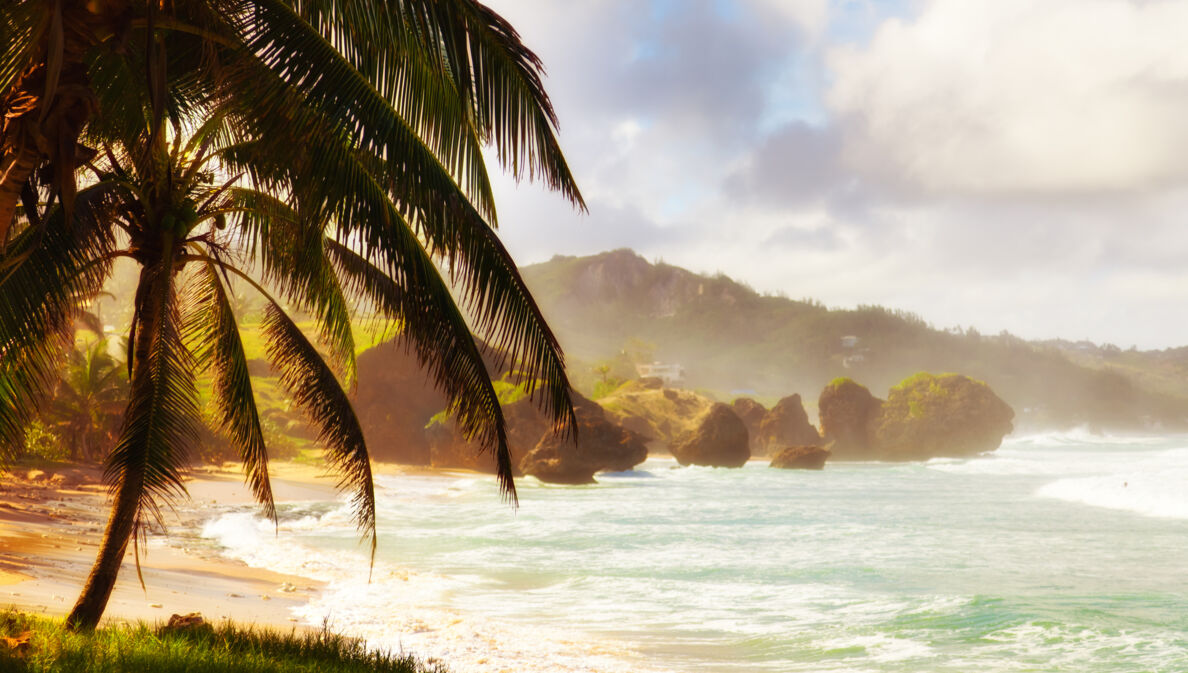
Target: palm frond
300 61
22 23
363 207
503 82
410 73
431 324
212 334
45 274
313 387
291 252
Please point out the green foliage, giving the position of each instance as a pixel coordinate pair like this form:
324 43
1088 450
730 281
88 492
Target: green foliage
42 443
607 387
841 381
222 649
86 405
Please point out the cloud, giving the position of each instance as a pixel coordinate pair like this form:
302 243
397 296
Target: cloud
796 164
1003 164
989 97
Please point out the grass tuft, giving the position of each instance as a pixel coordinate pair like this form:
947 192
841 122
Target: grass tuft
225 648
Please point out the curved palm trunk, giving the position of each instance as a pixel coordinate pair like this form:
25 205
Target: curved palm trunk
120 527
126 509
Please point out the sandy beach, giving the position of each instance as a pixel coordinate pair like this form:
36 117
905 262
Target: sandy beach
51 522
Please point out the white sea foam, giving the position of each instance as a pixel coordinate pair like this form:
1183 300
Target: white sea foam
880 648
1163 495
1152 483
398 610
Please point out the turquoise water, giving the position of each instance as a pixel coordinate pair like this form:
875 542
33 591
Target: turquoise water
1056 553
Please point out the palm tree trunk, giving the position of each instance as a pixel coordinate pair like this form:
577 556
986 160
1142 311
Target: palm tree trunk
120 527
13 174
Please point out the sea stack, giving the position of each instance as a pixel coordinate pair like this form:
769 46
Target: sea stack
719 440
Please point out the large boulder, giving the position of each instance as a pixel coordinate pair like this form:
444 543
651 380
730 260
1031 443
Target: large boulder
525 423
660 414
786 424
600 446
848 412
927 416
719 440
751 413
800 458
394 401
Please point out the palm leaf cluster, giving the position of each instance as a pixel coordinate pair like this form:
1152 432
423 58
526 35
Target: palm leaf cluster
87 402
326 154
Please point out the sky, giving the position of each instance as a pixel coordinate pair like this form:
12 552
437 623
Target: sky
997 164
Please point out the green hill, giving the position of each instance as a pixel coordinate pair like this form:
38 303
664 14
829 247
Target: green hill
617 309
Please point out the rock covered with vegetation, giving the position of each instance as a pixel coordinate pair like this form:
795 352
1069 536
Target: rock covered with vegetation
786 424
848 413
599 446
927 416
800 458
719 440
660 414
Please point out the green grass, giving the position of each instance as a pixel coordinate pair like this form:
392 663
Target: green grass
223 649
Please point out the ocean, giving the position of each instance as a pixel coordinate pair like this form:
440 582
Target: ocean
1059 552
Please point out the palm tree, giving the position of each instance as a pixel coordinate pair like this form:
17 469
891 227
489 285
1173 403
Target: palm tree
326 153
88 402
422 84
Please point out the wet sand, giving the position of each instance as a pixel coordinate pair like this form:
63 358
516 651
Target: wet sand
51 522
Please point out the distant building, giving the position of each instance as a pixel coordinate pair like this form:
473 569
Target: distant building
850 342
668 373
851 361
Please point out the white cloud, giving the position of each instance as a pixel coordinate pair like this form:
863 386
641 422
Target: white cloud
1018 96
811 15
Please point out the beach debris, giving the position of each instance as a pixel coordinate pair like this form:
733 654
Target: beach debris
287 588
19 644
189 622
234 595
156 605
185 621
265 597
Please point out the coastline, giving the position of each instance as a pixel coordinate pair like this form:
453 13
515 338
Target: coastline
51 523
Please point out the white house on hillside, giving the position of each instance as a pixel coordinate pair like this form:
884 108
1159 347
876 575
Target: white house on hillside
668 373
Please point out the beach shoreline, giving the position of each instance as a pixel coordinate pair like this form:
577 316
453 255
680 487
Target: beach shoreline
51 523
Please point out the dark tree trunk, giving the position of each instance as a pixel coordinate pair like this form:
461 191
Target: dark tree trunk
42 114
126 508
120 527
14 171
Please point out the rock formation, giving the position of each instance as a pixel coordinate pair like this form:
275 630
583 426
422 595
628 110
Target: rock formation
394 401
800 458
660 414
848 411
927 416
751 413
525 426
786 424
719 440
601 446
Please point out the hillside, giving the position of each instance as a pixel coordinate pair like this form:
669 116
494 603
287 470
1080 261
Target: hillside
616 310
